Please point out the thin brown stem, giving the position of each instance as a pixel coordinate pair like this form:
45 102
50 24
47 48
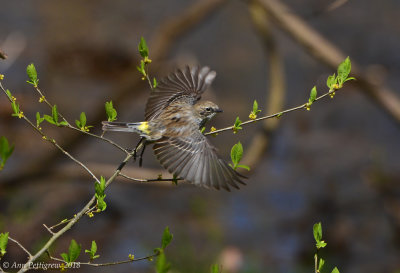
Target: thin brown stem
20 246
149 180
52 141
73 221
112 263
302 106
44 99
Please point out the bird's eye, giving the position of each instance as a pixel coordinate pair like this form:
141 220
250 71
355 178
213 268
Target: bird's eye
208 109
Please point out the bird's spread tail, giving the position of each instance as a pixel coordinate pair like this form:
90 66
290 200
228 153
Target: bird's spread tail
141 128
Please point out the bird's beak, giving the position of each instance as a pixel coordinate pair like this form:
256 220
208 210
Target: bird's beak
219 111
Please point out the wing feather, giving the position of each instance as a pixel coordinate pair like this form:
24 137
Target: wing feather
194 159
187 85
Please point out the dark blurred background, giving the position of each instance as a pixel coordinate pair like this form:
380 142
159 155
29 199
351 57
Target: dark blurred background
338 163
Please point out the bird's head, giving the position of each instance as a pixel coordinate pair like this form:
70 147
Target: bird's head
206 110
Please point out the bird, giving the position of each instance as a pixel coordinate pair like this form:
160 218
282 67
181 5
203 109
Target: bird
174 116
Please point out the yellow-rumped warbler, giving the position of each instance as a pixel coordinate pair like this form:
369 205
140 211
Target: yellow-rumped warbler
174 118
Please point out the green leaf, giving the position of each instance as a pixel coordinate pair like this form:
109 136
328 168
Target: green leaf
155 83
162 266
331 81
313 95
321 264
74 251
255 107
215 268
344 70
39 119
142 68
317 230
82 119
54 114
166 238
243 166
350 79
335 270
5 151
92 251
143 49
101 204
236 154
3 243
321 244
110 111
9 94
100 187
100 196
93 248
237 125
32 74
65 257
49 119
15 108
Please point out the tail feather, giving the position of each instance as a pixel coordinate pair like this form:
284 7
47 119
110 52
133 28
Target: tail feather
135 127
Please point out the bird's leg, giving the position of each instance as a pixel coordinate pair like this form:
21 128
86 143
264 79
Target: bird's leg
137 147
141 156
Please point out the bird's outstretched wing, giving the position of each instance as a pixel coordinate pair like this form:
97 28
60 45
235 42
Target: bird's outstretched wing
194 159
186 85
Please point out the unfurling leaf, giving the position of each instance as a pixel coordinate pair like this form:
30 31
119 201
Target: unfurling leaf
344 70
236 153
92 251
110 111
143 49
313 95
331 81
3 243
74 251
32 75
54 114
317 231
166 238
237 125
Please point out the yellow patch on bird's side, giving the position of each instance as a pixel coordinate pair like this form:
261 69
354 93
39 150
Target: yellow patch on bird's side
144 127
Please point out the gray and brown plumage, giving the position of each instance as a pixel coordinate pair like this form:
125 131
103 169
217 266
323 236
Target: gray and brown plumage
174 116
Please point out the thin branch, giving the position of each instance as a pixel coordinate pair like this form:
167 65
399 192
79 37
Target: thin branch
50 140
21 246
111 263
74 220
325 51
149 180
276 91
48 229
163 40
44 99
302 106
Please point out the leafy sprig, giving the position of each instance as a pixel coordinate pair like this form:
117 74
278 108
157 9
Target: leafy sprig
255 111
81 123
74 251
110 111
100 195
92 251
